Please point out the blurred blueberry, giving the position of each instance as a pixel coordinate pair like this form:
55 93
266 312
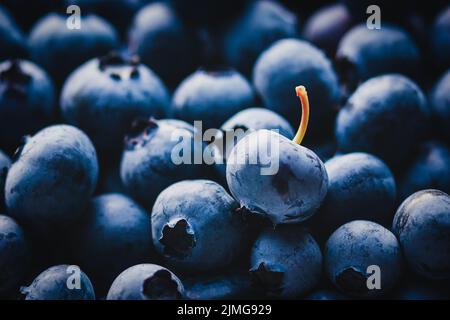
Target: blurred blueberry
115 235
14 256
146 282
360 186
326 27
197 226
429 170
5 163
226 286
261 24
163 42
60 50
148 165
27 99
386 116
422 224
355 247
56 283
12 41
326 295
118 12
288 186
286 262
364 53
212 97
440 105
440 39
104 96
282 67
53 176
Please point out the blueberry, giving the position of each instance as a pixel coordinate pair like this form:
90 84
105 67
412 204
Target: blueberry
14 256
326 295
115 236
5 163
227 286
364 53
197 227
105 95
258 118
248 120
417 289
261 24
385 116
286 262
118 12
325 27
360 186
12 41
56 283
282 66
147 163
52 178
429 170
440 39
159 37
391 11
27 12
26 100
146 282
440 105
422 224
211 97
60 50
205 13
355 247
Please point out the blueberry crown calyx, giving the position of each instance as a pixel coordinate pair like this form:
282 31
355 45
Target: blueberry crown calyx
140 132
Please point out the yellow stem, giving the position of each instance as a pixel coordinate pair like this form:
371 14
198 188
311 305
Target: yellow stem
303 95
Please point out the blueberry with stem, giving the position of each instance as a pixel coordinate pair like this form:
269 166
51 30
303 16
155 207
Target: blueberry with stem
291 187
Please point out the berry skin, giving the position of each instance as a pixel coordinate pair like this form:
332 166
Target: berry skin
27 98
147 167
60 50
290 195
197 227
158 36
360 186
289 62
440 39
325 27
146 282
440 104
422 224
220 287
211 96
52 284
5 163
105 95
52 179
354 247
326 295
364 53
14 256
385 116
286 262
429 170
260 25
12 41
115 226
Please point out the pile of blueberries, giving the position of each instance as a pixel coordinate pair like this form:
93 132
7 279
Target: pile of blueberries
92 205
